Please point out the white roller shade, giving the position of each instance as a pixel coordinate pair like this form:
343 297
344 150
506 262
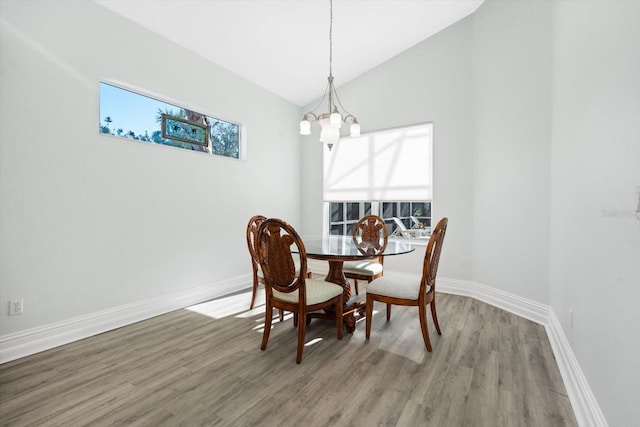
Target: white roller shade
394 164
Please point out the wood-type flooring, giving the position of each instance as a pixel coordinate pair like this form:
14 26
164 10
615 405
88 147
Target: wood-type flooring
203 366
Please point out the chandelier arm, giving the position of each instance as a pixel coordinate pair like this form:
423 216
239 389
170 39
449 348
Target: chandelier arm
315 116
347 113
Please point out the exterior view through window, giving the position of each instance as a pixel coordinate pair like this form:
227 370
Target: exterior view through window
130 115
403 219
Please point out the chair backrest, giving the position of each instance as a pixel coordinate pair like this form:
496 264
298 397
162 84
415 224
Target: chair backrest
274 246
252 237
432 256
371 235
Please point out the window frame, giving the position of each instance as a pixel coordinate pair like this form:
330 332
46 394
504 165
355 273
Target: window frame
377 208
242 139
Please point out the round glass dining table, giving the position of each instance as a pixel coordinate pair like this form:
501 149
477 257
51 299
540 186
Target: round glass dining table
338 249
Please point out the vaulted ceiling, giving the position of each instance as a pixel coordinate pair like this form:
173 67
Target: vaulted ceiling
283 45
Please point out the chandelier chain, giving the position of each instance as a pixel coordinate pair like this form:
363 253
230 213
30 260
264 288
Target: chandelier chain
330 37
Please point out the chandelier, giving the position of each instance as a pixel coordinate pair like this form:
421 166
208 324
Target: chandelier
332 120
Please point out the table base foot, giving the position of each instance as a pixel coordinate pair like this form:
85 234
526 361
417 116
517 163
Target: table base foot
350 315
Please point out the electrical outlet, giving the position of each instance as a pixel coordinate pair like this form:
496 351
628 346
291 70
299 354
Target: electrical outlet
16 307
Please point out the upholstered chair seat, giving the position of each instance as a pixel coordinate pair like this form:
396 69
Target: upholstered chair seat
396 284
363 268
317 291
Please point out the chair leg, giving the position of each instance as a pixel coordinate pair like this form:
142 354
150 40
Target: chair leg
434 315
355 285
388 312
422 308
295 320
267 326
368 315
281 315
302 325
253 295
339 306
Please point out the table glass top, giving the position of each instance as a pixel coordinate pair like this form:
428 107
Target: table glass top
340 246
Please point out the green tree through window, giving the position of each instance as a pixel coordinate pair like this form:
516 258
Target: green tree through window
130 115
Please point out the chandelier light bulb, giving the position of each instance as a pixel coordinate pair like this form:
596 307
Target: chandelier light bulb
305 127
329 134
355 129
335 119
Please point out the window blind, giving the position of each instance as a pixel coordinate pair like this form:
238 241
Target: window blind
393 164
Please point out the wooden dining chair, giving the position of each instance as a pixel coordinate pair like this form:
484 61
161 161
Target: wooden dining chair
258 278
411 289
252 235
287 287
371 235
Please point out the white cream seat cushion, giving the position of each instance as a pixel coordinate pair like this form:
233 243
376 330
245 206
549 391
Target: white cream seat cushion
397 285
317 291
365 268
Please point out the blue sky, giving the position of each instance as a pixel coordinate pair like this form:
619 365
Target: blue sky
129 110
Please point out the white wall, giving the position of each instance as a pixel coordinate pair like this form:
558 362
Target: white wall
92 222
511 138
595 239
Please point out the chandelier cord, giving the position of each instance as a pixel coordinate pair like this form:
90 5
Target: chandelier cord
330 37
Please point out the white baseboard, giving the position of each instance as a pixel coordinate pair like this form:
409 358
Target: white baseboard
25 343
31 341
523 307
583 402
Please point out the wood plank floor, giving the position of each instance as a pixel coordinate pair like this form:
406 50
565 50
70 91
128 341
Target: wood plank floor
203 366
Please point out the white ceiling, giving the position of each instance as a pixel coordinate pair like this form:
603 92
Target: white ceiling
283 45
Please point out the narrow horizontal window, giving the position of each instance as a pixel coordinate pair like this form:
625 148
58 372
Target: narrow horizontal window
127 114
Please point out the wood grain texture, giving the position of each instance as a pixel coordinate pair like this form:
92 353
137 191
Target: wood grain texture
489 368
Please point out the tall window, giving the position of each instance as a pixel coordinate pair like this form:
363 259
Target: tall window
386 173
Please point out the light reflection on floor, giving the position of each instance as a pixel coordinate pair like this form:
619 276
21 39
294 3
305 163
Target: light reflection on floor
238 305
